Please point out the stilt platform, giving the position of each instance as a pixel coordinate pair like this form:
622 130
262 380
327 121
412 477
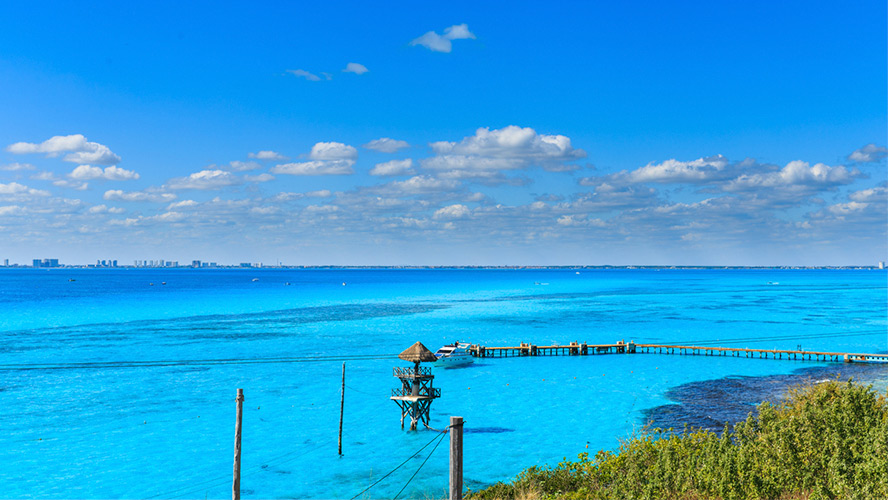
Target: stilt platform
584 349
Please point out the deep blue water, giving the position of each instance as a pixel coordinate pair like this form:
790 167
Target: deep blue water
105 392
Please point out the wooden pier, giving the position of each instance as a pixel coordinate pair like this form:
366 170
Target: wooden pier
621 347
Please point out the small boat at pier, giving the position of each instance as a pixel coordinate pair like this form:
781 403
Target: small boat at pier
455 354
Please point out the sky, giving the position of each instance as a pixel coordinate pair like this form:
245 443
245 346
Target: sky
445 133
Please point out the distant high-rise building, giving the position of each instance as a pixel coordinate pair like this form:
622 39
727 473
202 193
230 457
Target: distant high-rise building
46 263
5 262
113 263
881 264
195 263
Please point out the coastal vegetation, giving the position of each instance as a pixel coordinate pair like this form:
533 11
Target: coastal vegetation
825 440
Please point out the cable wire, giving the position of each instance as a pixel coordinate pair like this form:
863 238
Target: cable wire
443 433
389 473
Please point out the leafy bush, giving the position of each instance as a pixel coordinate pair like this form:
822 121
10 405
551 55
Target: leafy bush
828 440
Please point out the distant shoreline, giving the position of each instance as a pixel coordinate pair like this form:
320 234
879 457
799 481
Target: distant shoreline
565 267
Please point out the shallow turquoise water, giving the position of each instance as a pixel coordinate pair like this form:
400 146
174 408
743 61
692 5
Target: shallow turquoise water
167 431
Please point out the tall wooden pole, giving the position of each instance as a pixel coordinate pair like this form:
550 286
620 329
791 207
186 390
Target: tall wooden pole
341 408
456 458
235 487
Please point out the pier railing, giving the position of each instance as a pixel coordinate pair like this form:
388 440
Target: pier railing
621 347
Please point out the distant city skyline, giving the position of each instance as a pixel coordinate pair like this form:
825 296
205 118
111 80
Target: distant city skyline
569 133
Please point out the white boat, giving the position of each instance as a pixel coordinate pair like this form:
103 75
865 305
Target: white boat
455 354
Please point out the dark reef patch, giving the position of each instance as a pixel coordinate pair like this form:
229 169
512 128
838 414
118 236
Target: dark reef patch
710 404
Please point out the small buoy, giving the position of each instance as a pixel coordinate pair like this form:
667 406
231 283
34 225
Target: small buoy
145 422
468 387
150 284
258 407
343 283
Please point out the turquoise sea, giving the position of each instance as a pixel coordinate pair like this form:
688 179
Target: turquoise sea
115 388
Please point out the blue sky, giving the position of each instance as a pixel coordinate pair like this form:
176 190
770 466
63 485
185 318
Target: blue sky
417 133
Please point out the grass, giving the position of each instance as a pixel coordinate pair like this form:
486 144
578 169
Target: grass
827 440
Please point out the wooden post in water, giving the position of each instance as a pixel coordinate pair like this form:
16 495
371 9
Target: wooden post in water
456 458
341 408
235 486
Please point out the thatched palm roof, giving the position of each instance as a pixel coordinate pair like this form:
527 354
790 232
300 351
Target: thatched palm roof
416 353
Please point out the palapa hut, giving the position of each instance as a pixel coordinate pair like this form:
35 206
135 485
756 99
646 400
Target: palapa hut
416 393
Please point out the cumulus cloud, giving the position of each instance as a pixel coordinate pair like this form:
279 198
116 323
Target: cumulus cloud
796 176
442 43
332 151
14 188
16 167
301 73
78 149
424 184
259 178
876 194
869 154
386 145
394 167
319 167
580 220
358 69
452 212
508 148
181 204
205 180
267 155
328 158
243 166
113 173
105 209
673 171
157 197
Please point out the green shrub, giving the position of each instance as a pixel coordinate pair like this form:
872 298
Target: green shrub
828 440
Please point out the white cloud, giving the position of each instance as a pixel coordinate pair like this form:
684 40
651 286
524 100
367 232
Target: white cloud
442 43
579 221
259 178
796 176
76 185
424 184
328 158
267 155
78 148
181 204
394 167
332 151
243 166
305 74
674 171
386 145
11 210
105 209
319 167
358 69
113 173
205 180
14 188
118 195
452 212
15 167
508 148
876 194
869 154
458 32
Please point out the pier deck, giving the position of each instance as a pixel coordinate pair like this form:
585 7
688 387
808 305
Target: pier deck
584 349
